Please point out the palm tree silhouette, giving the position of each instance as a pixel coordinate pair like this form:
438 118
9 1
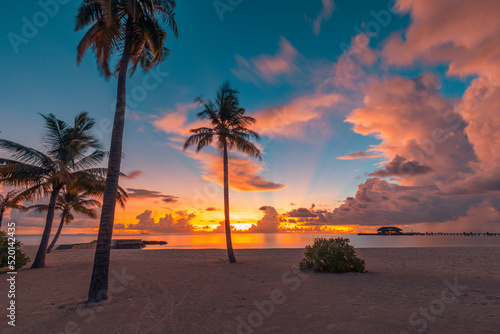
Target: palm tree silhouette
72 158
69 202
9 201
132 29
228 126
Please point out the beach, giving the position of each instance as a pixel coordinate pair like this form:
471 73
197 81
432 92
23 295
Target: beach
435 290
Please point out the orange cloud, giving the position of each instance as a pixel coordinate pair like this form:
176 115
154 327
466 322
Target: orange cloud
294 120
180 222
244 174
176 121
269 223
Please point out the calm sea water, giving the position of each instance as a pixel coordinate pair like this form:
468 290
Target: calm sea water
281 240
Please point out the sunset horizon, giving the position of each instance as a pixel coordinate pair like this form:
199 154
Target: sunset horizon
232 166
314 103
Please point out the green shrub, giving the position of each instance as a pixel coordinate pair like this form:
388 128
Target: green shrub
21 258
331 256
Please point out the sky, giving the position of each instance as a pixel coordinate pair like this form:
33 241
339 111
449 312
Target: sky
371 113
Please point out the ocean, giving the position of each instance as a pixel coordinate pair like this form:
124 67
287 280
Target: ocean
281 240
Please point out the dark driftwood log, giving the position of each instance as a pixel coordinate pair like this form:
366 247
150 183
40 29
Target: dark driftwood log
152 242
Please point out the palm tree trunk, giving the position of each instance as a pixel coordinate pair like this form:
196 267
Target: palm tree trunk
42 249
53 243
230 252
98 290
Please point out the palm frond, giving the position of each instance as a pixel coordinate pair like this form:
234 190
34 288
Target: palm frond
39 207
24 153
200 140
243 145
88 13
89 161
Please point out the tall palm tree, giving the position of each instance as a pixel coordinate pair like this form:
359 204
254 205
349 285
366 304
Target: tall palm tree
69 202
72 158
9 201
228 126
131 29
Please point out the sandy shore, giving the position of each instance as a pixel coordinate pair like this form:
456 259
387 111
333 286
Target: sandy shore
197 291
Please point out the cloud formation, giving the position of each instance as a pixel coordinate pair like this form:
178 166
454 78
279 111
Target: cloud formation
324 15
170 223
299 118
400 166
443 153
134 174
175 122
269 223
266 67
301 213
244 173
358 155
144 193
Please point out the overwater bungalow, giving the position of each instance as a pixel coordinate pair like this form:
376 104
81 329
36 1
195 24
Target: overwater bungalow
390 230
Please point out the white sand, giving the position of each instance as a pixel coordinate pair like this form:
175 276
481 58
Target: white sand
197 291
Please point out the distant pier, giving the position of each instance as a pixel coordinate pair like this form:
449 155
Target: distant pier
470 234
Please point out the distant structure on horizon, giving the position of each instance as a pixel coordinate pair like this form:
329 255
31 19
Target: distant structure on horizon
390 230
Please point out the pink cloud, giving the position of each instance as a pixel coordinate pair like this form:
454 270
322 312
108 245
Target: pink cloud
298 117
480 218
465 36
460 32
176 121
324 15
413 121
244 173
267 67
424 138
358 155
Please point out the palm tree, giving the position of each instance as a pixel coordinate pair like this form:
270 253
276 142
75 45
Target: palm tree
67 161
9 201
228 125
69 202
71 199
130 28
